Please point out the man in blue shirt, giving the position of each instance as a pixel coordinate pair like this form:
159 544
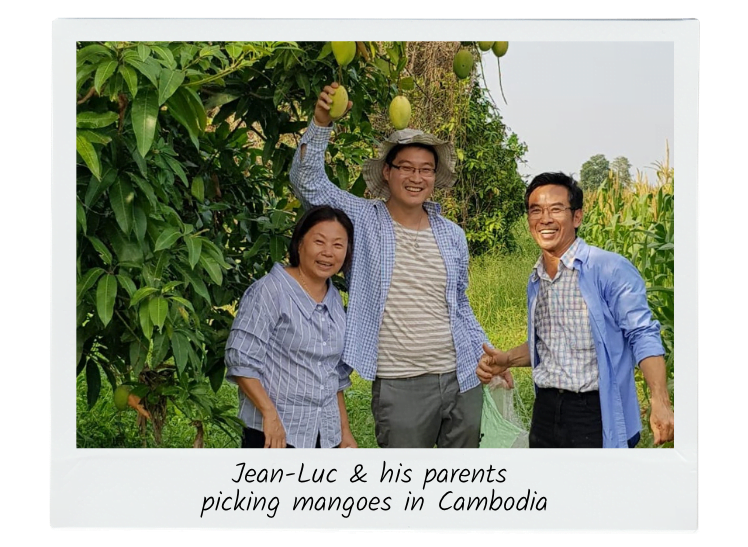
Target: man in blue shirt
410 328
589 325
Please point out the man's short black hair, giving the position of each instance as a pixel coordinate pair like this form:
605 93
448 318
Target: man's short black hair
576 195
392 154
311 218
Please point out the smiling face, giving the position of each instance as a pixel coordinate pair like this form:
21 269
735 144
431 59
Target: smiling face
322 250
408 191
554 234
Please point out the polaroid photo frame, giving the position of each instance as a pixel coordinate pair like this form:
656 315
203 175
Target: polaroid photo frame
575 489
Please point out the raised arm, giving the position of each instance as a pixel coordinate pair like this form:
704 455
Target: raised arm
308 177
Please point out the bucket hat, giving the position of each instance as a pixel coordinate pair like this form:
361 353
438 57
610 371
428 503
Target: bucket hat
445 169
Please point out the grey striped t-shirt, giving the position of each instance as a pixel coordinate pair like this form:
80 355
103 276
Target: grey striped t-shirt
292 344
415 337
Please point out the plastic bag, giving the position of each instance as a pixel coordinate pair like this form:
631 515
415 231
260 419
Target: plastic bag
500 427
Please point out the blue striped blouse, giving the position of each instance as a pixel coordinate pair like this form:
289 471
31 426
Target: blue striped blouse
293 345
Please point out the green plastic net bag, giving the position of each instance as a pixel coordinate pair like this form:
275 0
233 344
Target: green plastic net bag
500 427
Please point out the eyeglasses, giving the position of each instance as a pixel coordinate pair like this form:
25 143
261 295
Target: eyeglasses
555 211
408 170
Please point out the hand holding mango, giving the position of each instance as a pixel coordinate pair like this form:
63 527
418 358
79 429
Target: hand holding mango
332 104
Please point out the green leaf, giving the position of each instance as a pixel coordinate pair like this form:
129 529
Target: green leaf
143 51
166 55
120 197
196 104
141 293
213 269
158 308
167 238
150 69
180 108
177 168
94 137
127 284
92 51
131 79
138 355
140 222
259 244
233 50
144 314
194 246
200 288
144 116
93 383
95 120
106 293
277 248
198 189
80 214
160 347
186 303
103 73
168 82
105 254
86 282
97 187
89 155
219 99
326 50
407 84
179 346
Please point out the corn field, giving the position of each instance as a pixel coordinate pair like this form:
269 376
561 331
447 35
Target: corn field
638 222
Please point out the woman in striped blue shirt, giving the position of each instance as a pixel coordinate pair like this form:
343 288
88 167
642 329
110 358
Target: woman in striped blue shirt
286 341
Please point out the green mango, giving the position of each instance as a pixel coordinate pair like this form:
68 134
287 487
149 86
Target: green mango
344 52
484 46
400 112
499 48
339 103
463 64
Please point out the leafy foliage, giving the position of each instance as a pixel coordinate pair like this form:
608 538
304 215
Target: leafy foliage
183 156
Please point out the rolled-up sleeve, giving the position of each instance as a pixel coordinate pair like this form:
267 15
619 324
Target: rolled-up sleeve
344 376
246 347
627 299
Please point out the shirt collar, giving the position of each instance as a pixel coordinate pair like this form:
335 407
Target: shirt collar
301 298
432 207
567 259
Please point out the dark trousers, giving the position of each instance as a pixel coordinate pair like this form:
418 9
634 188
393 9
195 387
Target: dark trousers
254 438
565 419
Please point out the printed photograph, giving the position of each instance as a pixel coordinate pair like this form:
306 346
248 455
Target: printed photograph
375 244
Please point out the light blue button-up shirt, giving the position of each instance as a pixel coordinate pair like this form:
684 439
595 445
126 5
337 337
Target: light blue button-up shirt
292 344
623 330
373 261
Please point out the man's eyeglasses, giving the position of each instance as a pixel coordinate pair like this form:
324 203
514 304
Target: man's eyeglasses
408 170
555 211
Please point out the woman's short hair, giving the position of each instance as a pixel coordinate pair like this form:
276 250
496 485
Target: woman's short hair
311 218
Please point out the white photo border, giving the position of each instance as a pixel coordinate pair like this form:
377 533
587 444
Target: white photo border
584 489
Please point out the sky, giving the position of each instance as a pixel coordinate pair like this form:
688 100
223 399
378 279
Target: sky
569 101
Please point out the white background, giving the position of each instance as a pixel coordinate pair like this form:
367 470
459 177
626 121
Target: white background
27 270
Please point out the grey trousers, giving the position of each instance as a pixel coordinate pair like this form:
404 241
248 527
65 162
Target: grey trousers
426 411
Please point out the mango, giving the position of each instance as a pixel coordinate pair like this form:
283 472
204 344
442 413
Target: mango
463 64
344 52
400 112
339 103
484 46
121 395
499 48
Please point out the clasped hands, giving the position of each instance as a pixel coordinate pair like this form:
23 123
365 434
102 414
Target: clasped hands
494 362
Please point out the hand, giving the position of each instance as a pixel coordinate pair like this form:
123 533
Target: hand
347 440
322 108
492 363
662 422
275 434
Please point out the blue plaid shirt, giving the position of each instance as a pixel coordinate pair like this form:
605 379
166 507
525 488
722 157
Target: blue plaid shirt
374 259
623 330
